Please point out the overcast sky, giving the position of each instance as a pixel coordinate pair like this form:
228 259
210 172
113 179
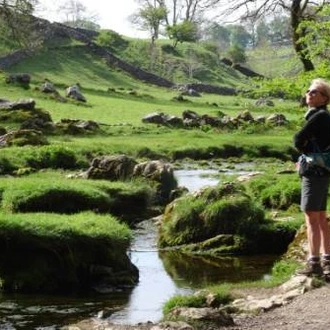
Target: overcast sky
112 14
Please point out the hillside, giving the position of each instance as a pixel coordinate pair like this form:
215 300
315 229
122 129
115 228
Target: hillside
82 55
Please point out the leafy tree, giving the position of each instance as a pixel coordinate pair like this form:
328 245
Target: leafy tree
184 32
176 11
239 35
251 25
236 53
219 34
16 22
298 10
317 36
150 18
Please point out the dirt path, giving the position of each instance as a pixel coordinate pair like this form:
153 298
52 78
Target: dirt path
309 311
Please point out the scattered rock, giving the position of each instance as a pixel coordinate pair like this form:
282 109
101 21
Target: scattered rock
74 93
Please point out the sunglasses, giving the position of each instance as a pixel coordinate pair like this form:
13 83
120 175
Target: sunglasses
314 92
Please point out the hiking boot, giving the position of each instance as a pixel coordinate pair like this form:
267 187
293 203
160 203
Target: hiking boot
312 268
326 267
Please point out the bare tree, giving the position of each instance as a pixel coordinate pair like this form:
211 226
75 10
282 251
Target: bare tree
76 14
178 11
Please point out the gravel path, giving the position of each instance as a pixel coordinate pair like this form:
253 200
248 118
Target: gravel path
309 311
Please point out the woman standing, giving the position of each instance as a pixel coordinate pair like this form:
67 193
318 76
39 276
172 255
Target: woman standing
314 185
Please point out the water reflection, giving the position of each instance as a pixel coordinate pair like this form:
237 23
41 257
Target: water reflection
18 311
198 271
154 289
196 179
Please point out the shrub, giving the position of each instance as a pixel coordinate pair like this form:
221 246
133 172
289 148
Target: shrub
55 157
109 38
6 167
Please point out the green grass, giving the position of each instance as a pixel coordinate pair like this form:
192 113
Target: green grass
54 192
86 225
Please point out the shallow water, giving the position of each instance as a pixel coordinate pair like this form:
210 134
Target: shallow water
162 275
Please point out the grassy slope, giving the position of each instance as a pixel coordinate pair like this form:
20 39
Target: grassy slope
70 63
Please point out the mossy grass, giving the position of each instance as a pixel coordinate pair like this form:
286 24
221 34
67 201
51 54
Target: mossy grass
52 253
64 228
54 192
278 192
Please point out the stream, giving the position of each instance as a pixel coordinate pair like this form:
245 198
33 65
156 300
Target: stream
162 275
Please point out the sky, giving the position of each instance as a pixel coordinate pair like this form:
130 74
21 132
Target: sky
112 14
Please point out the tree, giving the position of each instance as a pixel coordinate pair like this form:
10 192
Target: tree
317 37
237 53
150 18
299 11
176 11
279 29
218 34
16 18
76 15
262 32
239 36
185 31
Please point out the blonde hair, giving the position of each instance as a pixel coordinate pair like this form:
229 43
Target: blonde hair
324 87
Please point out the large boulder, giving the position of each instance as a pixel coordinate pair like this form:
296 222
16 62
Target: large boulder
162 174
115 167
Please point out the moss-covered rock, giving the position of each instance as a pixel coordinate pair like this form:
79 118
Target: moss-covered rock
221 220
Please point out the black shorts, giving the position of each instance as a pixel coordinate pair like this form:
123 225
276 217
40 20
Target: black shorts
314 193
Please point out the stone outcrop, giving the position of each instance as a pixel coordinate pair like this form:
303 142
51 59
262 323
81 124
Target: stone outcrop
192 119
121 167
31 118
284 294
161 174
28 104
113 167
77 126
23 137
